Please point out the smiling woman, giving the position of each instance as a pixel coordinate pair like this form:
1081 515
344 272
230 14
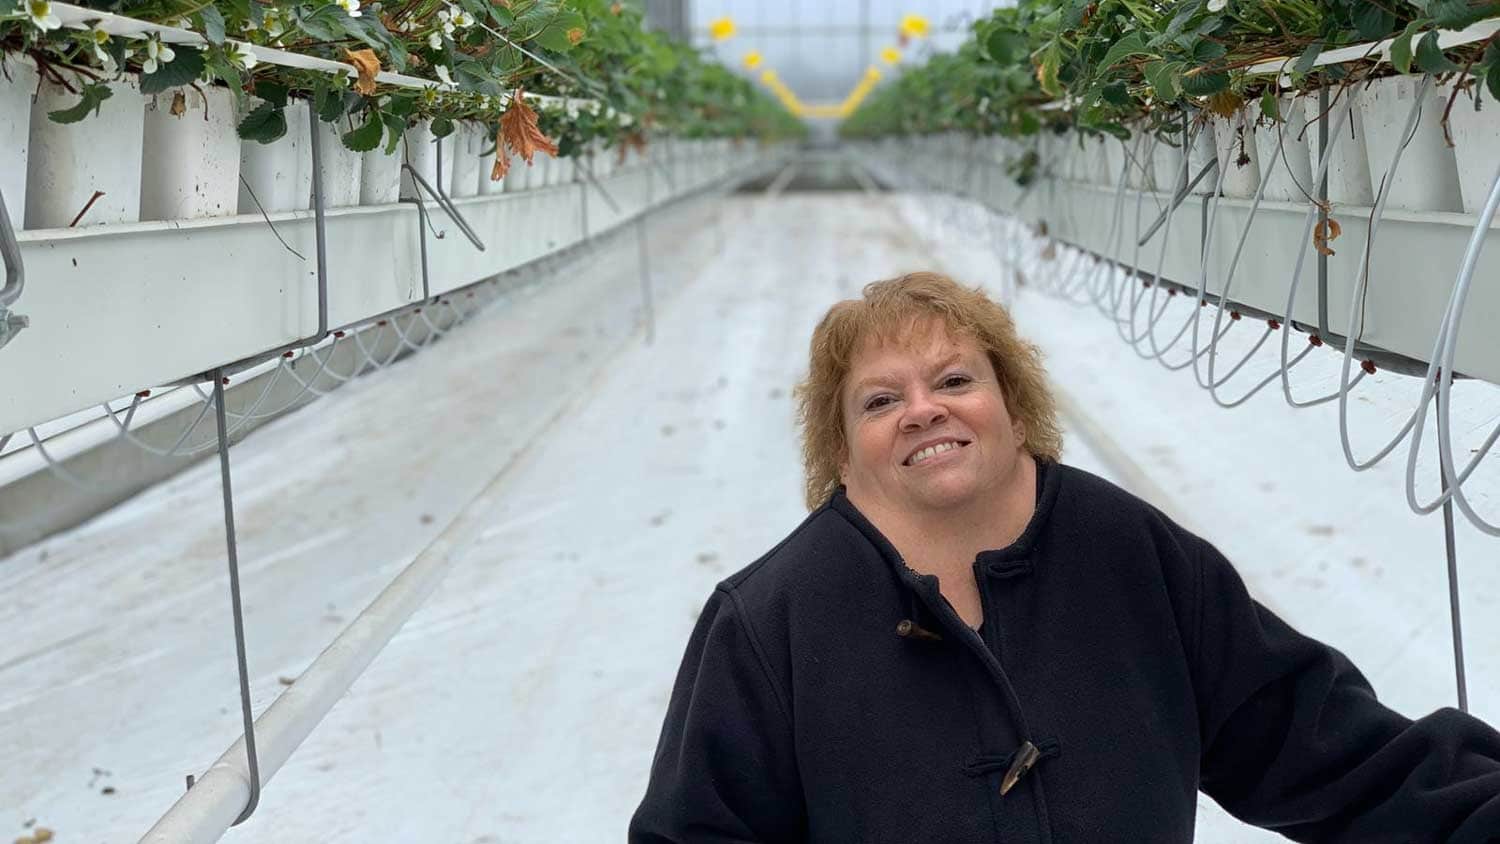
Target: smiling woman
967 641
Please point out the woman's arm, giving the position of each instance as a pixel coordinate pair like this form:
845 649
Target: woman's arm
1294 739
725 770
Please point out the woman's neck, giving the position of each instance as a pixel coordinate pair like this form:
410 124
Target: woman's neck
946 541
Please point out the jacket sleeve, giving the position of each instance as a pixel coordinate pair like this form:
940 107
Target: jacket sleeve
1295 741
725 767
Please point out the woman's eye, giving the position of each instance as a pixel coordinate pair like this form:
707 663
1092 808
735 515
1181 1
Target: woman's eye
955 380
878 402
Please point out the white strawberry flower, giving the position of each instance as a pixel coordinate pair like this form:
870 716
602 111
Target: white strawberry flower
443 74
41 15
157 54
273 24
462 19
435 41
350 6
98 40
242 55
1217 5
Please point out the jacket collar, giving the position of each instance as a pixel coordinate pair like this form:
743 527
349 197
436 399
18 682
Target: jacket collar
1048 480
1015 558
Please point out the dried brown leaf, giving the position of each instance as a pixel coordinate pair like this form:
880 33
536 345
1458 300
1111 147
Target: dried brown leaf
519 128
367 64
502 160
575 35
1325 231
1225 103
179 104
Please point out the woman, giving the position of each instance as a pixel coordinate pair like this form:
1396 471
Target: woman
967 641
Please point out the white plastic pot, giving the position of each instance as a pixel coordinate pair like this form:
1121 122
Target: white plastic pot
1166 163
17 82
1290 178
1140 173
1114 157
419 149
1199 155
1234 147
567 171
1475 134
190 164
1348 164
341 168
1427 179
280 173
69 162
380 177
518 177
461 158
488 186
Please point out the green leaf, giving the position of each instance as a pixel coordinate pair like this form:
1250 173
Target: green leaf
186 66
1162 77
1373 22
395 130
1006 46
553 35
264 124
1430 56
89 100
1492 81
1207 51
1268 107
1304 62
1203 84
212 21
1115 94
1133 44
274 93
442 127
1459 14
1401 48
329 104
1046 74
367 136
325 24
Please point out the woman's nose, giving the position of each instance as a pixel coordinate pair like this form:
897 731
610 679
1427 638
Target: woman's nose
922 412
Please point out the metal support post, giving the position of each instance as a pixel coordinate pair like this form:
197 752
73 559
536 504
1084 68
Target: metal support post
645 265
1323 214
1453 598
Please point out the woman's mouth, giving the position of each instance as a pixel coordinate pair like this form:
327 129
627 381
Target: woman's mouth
923 455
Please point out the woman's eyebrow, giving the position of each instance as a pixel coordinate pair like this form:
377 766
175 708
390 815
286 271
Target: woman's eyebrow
892 381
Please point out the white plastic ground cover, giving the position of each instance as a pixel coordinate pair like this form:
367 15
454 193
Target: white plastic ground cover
117 309
524 701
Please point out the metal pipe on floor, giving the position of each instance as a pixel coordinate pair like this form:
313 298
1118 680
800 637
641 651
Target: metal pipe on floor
217 798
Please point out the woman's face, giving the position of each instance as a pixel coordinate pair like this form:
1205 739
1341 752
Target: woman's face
926 424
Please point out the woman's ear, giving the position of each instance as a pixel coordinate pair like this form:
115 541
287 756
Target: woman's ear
1019 428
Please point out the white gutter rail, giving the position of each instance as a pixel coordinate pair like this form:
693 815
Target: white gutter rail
77 17
1381 50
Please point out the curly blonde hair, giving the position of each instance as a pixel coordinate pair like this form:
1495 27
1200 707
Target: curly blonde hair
889 310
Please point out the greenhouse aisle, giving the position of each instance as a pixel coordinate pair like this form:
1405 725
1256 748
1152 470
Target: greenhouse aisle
522 703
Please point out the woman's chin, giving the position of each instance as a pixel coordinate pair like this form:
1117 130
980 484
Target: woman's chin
944 491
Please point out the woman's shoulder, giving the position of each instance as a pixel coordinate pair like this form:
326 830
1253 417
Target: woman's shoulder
815 568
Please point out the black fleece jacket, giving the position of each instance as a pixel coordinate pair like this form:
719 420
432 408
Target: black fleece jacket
831 694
